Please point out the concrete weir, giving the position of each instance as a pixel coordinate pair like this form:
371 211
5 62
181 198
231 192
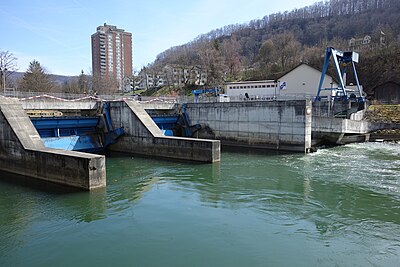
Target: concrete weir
142 136
23 152
280 125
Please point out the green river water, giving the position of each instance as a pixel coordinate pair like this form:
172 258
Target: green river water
336 207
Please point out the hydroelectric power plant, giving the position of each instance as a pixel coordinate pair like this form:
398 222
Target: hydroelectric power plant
49 145
46 137
209 202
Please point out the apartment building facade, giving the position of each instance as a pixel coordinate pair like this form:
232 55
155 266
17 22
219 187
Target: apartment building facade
112 54
173 75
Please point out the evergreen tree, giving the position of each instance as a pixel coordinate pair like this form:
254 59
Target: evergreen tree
36 79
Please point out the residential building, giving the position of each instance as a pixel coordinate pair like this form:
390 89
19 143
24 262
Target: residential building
112 54
367 42
173 75
179 75
151 79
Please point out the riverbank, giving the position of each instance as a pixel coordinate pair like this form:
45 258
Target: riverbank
384 114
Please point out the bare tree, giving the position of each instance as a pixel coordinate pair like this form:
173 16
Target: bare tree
231 53
285 50
212 60
265 53
71 86
104 85
8 65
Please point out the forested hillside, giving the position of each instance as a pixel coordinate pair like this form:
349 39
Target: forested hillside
265 48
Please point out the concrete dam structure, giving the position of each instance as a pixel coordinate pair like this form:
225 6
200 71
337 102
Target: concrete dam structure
289 125
278 125
142 136
23 152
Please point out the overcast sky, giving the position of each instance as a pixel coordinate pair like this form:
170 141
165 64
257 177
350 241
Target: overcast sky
57 33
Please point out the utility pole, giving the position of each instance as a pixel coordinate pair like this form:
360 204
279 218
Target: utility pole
3 74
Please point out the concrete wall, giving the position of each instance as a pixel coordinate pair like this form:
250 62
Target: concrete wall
142 136
58 104
338 130
156 105
22 152
338 125
282 125
342 131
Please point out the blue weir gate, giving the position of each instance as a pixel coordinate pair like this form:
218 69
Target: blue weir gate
78 133
95 133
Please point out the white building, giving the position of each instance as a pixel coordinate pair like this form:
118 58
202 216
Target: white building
301 81
179 75
252 89
150 79
304 80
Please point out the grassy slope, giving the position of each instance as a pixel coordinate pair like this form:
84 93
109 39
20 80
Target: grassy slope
383 113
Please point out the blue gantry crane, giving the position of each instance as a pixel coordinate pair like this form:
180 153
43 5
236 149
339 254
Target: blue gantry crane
341 62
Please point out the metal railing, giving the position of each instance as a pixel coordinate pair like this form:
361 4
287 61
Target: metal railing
320 108
45 96
240 98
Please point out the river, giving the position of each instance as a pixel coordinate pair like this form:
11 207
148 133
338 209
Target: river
336 207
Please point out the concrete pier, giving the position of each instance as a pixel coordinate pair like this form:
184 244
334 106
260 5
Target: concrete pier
280 125
22 152
142 136
343 131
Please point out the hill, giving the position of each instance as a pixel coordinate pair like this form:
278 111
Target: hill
266 47
58 79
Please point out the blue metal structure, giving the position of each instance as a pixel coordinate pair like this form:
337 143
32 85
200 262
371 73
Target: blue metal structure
203 91
341 60
167 123
176 124
88 134
188 129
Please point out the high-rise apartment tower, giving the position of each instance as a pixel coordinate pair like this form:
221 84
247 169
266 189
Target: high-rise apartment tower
112 54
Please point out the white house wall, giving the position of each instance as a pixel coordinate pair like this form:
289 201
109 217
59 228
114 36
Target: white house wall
305 80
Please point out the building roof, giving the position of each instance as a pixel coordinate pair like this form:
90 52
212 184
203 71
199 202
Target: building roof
245 82
333 78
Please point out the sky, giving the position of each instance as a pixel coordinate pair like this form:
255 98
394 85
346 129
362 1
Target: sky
57 33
